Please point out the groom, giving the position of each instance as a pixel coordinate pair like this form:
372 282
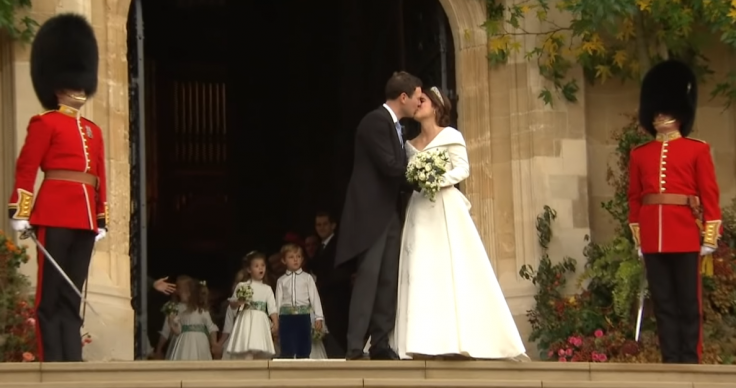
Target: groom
370 230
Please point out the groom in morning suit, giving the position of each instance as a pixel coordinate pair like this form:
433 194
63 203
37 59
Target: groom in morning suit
370 229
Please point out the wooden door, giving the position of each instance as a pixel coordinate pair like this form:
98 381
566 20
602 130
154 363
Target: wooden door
193 156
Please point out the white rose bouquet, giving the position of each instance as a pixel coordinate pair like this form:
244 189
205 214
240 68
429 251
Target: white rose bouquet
244 294
426 169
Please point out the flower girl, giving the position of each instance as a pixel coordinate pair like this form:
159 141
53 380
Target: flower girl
256 317
190 321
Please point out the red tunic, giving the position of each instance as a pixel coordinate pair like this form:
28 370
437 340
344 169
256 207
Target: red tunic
675 165
61 140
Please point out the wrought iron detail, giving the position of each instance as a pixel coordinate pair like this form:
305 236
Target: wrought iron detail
138 285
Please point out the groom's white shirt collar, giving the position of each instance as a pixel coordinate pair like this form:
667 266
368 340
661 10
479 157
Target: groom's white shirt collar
393 115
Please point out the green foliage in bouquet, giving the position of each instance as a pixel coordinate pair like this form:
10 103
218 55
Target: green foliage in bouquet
17 322
596 323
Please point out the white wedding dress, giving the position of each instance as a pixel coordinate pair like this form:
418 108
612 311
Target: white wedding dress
449 301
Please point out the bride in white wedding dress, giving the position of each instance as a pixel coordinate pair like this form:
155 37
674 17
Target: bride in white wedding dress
449 300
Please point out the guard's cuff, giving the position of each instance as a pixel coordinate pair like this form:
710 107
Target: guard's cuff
21 210
635 234
711 233
103 218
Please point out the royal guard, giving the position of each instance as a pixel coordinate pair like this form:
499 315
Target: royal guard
68 214
672 182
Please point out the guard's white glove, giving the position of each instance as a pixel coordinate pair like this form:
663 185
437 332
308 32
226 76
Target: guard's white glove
20 225
101 233
640 253
705 251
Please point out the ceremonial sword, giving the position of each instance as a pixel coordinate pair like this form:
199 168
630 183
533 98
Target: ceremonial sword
642 291
29 233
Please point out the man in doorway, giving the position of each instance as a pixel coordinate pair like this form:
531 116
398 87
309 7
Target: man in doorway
674 211
370 228
69 212
311 246
333 285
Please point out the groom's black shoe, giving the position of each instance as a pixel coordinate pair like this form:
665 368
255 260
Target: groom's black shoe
384 354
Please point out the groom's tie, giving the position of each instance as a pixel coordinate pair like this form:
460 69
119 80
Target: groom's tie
398 132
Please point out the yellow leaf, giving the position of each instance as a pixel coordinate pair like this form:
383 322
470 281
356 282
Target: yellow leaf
515 46
498 44
732 14
733 3
524 9
550 46
634 66
644 5
603 72
593 45
619 58
542 15
627 30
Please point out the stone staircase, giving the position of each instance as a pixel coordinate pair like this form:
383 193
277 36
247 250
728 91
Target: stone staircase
355 374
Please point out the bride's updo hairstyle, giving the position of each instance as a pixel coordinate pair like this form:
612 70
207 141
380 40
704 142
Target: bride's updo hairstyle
441 104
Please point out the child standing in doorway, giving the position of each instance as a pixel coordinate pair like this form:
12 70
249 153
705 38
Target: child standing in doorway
296 297
256 317
196 334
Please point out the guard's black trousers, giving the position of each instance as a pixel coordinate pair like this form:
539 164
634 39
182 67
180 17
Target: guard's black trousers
58 320
675 287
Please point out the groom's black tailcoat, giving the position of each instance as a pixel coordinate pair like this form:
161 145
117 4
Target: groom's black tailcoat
370 230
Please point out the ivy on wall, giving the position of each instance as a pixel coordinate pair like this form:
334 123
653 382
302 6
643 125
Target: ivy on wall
16 26
610 39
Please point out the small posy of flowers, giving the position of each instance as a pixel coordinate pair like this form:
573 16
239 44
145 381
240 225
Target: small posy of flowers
317 335
170 308
244 293
426 170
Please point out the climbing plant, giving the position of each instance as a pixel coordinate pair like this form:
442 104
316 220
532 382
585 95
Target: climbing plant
610 39
17 27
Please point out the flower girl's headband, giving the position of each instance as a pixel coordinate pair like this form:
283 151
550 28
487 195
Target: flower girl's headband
438 94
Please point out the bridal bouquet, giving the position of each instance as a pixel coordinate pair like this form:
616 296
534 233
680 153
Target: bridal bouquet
244 294
426 170
170 308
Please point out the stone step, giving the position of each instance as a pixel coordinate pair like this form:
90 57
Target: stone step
369 383
385 374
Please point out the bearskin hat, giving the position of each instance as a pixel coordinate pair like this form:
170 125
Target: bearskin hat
64 55
671 88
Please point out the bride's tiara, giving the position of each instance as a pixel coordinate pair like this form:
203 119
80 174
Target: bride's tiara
438 94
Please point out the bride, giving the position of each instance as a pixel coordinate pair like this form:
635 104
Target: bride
449 301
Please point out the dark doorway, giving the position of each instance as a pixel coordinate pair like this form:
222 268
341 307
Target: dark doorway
250 114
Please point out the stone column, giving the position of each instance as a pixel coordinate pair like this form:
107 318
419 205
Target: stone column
109 278
539 158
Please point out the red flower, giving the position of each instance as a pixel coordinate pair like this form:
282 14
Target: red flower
598 333
562 359
28 357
